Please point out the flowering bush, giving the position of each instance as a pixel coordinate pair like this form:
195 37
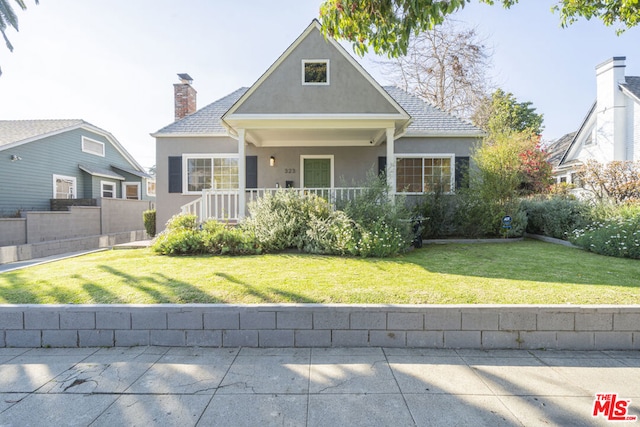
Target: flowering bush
618 237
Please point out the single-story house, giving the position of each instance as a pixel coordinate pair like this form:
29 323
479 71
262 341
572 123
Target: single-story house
42 161
611 129
316 121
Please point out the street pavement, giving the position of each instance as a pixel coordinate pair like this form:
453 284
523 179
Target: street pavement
315 387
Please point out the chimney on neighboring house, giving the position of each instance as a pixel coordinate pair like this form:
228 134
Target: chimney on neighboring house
611 109
184 97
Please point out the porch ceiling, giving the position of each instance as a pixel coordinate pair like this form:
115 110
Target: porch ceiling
314 137
297 131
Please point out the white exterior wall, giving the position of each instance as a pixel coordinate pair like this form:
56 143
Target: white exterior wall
610 130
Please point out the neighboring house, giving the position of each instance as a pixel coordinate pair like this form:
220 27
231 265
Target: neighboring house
611 129
315 120
42 160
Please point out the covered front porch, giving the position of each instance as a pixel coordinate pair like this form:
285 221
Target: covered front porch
327 155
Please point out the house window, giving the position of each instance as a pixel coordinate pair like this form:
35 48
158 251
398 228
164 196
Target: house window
315 72
92 146
204 172
424 174
64 187
108 189
563 179
151 188
131 190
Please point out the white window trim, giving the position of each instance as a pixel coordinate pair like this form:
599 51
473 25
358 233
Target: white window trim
451 156
149 193
112 184
65 177
84 139
315 156
124 189
189 156
308 61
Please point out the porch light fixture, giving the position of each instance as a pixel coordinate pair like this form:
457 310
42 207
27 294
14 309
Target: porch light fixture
272 161
15 157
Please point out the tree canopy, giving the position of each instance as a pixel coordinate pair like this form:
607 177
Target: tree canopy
9 19
503 114
387 25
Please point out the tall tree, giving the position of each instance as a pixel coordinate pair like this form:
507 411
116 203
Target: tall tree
446 66
8 18
387 25
502 113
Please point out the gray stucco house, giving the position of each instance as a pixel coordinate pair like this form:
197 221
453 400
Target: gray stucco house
315 120
42 160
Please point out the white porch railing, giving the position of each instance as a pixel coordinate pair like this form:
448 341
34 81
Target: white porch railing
223 205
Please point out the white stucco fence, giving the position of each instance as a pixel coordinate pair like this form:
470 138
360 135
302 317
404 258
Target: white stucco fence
558 327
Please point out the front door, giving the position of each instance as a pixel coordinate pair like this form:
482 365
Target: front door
317 173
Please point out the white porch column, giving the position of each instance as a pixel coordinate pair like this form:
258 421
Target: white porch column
242 176
391 160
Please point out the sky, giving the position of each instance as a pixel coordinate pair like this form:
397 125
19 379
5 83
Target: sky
113 63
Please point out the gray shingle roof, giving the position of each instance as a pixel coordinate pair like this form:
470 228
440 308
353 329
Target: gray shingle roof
20 130
557 148
207 119
427 119
632 84
141 174
98 171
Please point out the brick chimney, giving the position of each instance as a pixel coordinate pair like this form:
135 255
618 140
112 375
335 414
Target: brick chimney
184 97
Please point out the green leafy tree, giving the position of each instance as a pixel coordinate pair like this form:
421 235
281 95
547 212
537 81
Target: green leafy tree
387 25
502 113
9 19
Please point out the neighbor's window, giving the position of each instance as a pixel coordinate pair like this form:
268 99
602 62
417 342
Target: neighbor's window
92 146
108 189
131 190
424 174
64 187
220 173
315 72
151 188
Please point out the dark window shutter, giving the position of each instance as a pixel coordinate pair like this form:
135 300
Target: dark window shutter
175 174
462 169
382 164
252 172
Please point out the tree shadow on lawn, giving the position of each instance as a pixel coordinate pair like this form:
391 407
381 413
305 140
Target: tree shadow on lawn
526 261
164 289
265 297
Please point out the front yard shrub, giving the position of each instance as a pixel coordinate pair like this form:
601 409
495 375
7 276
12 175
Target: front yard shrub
556 216
619 237
280 220
179 241
383 224
333 235
222 239
439 213
183 237
149 219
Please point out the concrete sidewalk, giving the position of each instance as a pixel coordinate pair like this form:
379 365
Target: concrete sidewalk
311 387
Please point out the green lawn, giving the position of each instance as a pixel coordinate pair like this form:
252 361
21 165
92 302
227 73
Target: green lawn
527 272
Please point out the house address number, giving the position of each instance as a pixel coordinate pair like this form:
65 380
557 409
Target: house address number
289 171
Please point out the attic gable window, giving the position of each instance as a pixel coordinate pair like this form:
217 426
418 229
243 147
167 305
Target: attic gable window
92 146
315 72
